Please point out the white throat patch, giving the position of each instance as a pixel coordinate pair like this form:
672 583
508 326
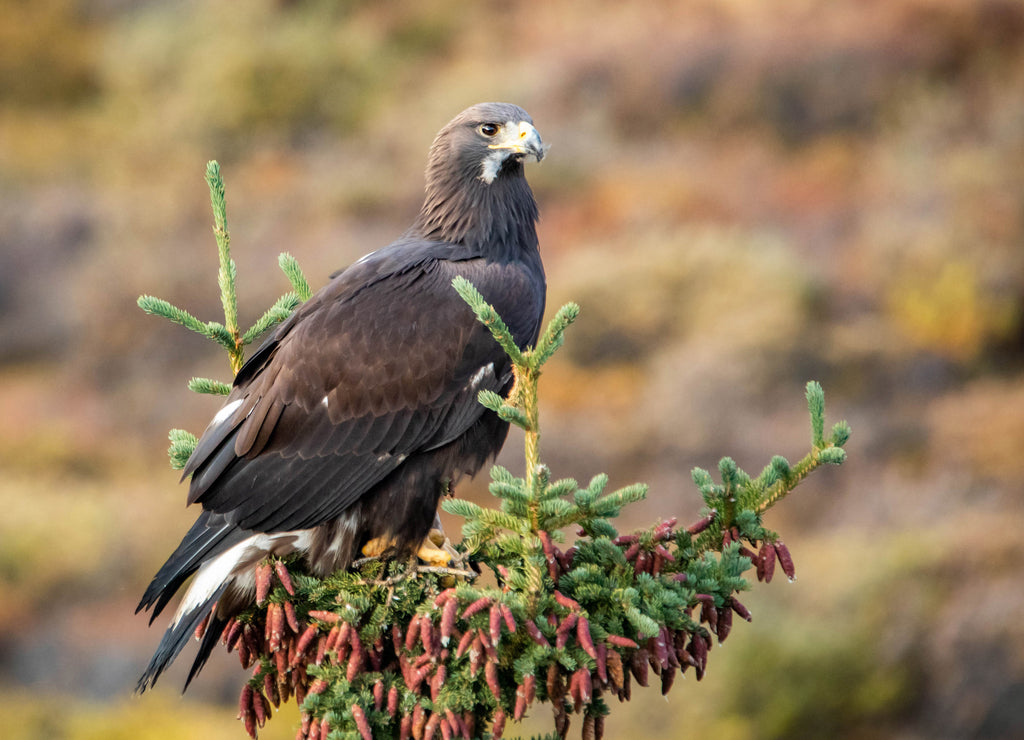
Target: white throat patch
492 165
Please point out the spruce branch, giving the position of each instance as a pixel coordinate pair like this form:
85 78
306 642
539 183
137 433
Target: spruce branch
210 329
209 386
290 268
182 445
226 334
274 315
553 336
389 649
487 316
816 406
227 274
822 452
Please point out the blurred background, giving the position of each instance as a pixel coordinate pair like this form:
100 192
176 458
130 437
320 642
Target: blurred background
742 196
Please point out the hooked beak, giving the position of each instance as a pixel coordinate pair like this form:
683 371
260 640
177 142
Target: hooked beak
521 139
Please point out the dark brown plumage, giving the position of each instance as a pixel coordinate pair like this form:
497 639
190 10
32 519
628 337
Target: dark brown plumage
357 413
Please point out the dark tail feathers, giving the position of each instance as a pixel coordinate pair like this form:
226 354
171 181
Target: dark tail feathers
174 640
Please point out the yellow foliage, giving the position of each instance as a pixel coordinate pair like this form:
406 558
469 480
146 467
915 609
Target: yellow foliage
47 54
949 311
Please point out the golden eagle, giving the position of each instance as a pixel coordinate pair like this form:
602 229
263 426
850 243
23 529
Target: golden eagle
345 427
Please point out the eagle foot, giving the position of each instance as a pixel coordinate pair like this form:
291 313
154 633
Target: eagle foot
434 555
378 546
436 550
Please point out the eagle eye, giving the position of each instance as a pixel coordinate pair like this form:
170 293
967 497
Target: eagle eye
488 129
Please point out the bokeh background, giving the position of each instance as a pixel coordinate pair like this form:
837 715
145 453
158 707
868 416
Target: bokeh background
743 196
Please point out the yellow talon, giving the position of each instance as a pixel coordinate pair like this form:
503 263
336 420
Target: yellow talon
378 546
431 554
